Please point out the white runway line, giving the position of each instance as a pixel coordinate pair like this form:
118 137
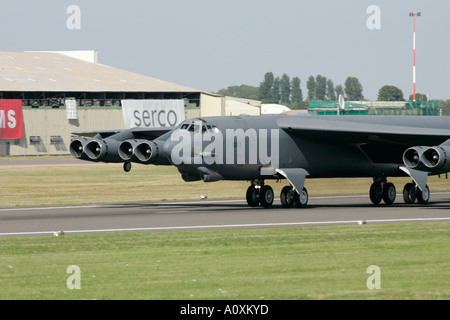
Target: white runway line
224 226
174 228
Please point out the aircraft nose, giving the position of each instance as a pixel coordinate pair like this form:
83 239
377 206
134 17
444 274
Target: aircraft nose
169 144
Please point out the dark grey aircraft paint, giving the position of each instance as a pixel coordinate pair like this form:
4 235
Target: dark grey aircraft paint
261 148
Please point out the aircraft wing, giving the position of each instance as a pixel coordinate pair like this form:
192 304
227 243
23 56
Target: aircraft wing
393 130
139 133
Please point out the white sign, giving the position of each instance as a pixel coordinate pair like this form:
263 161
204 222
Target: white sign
71 108
152 113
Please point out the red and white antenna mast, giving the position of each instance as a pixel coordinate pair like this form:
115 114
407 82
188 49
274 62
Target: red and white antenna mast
414 14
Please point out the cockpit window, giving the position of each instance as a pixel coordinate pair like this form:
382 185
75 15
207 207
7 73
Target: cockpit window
194 127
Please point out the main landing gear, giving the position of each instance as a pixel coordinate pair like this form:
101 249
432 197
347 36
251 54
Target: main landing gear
411 193
381 190
258 193
291 198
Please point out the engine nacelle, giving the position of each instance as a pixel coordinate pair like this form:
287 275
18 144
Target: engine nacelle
98 148
105 150
436 158
142 151
77 148
127 150
93 149
412 157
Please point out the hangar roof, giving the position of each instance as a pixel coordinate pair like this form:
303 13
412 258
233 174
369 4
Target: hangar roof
55 72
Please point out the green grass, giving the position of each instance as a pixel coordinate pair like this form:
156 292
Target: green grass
31 186
275 263
107 183
272 263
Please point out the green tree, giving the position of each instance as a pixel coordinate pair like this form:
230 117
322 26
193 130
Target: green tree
353 89
330 90
276 91
390 93
311 86
444 105
265 88
297 95
419 97
321 87
339 90
285 89
242 91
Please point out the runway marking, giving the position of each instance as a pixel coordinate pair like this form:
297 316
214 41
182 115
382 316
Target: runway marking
223 226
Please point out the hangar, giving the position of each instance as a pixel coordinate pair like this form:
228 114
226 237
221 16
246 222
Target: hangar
46 79
52 84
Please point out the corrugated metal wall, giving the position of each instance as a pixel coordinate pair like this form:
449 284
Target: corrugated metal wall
48 131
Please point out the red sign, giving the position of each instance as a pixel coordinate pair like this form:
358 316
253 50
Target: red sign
11 119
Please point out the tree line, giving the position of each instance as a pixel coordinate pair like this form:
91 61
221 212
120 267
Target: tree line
286 91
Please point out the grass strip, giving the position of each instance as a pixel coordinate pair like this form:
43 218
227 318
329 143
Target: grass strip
84 184
270 263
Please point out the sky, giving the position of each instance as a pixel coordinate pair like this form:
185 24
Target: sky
212 44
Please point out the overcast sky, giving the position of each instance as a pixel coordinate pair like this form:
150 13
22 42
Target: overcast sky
213 44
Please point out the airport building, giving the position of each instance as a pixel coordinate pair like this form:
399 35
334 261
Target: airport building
45 96
61 92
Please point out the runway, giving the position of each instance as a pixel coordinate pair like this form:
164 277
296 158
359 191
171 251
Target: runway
214 214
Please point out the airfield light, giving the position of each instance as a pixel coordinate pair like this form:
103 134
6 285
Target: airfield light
414 14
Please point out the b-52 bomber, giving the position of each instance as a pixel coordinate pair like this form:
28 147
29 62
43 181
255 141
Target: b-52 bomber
263 148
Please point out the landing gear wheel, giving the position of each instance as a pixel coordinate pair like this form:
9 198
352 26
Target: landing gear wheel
127 166
252 196
376 193
389 193
409 193
301 200
423 196
287 197
266 196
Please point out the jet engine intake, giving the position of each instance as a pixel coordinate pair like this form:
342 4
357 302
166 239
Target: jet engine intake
95 150
412 157
146 152
435 158
104 150
126 149
138 150
77 148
